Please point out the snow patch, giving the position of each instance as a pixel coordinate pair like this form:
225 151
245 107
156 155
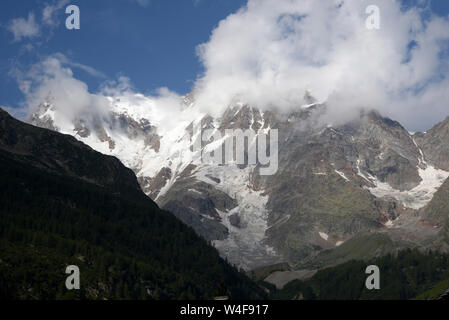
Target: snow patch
307 106
323 235
194 191
342 175
389 224
49 113
245 247
418 197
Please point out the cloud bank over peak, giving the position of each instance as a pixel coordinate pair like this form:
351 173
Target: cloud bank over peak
52 81
269 53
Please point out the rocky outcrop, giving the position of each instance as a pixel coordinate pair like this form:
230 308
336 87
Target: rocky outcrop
435 145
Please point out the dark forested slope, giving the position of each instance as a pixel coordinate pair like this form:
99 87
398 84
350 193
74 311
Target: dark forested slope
62 203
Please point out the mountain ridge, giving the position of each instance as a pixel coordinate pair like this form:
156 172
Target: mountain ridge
57 212
333 181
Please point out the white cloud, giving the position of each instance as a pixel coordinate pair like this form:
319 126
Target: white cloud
52 80
271 51
121 86
92 71
30 28
49 11
24 28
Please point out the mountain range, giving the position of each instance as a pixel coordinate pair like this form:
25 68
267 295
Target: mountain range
353 190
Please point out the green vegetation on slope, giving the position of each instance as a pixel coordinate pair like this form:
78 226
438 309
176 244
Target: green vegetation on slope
342 209
402 276
435 292
365 246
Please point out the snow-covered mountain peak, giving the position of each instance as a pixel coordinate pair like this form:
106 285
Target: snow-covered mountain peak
332 172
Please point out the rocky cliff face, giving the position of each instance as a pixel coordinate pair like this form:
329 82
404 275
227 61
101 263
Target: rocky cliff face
334 182
434 144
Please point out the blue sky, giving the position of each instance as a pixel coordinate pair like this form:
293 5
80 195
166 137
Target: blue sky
152 42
